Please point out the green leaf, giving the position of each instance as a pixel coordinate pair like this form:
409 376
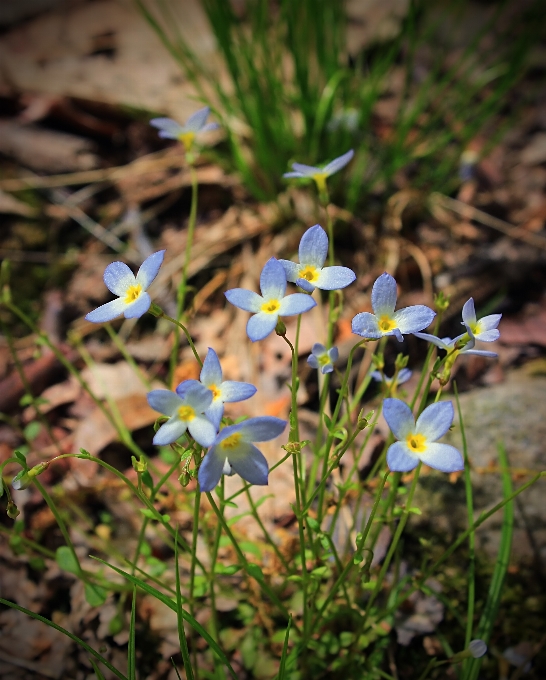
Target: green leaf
312 522
95 595
327 421
255 571
150 514
66 560
147 479
32 430
20 457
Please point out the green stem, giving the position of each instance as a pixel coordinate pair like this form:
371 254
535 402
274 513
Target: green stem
156 311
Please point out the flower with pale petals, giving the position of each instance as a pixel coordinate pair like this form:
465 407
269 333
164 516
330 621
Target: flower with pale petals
311 273
485 329
223 391
233 451
418 440
133 301
186 411
319 175
170 129
271 304
463 344
403 375
323 358
384 320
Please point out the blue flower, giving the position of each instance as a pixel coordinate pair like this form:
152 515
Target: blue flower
417 440
187 412
384 320
323 358
222 390
466 343
399 378
271 304
310 272
320 174
485 329
170 129
132 300
233 451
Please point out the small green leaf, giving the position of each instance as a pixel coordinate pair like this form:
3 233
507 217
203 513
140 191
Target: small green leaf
327 421
150 514
147 479
415 511
20 456
95 595
32 430
66 560
255 571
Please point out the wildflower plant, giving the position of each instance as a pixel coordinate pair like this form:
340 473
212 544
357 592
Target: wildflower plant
320 174
322 358
196 123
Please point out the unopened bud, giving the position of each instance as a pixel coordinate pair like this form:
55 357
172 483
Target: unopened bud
476 649
22 480
401 361
141 465
441 301
295 447
280 328
364 420
12 510
184 479
37 470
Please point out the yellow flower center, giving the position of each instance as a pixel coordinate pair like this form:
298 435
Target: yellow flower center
386 323
416 442
320 179
133 293
187 139
215 392
323 360
271 306
232 441
186 413
309 273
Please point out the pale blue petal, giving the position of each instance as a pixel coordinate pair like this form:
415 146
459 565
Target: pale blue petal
164 401
384 295
441 343
313 247
399 418
210 470
294 175
168 125
211 373
338 163
107 312
260 429
334 278
198 397
232 390
305 285
469 312
202 430
196 121
118 277
298 303
251 465
139 307
397 334
318 349
170 431
209 127
480 353
435 421
413 319
403 376
400 459
163 134
333 353
261 325
326 368
149 268
489 322
291 269
273 280
442 457
306 170
215 412
488 336
366 325
313 361
376 375
183 386
244 299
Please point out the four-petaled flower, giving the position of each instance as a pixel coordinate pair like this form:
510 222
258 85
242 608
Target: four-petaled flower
323 358
186 409
417 440
466 344
271 304
222 390
133 301
403 375
170 129
320 174
233 451
485 329
384 320
310 272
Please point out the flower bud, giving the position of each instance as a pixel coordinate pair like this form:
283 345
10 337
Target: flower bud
139 465
280 328
22 480
12 510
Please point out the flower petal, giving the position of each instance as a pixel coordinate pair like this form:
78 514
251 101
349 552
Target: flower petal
488 322
298 303
118 277
334 278
198 397
313 361
403 376
469 313
291 269
244 299
326 368
260 429
196 121
164 401
442 457
209 127
183 386
139 307
413 319
314 247
215 412
202 430
487 336
149 268
305 285
318 349
295 175
210 470
232 390
384 294
435 420
338 163
333 353
480 353
400 458
305 170
366 325
170 431
250 464
399 417
168 125
439 342
273 280
211 373
261 325
107 312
